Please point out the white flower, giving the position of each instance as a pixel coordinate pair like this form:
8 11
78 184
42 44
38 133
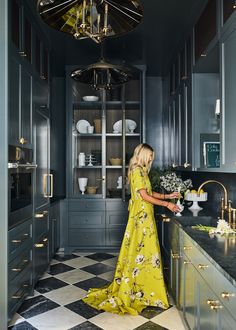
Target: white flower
152 294
139 294
156 261
135 272
112 302
126 280
118 280
159 303
127 235
139 259
144 231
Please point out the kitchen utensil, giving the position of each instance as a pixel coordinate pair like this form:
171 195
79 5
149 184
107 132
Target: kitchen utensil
117 127
91 190
90 129
115 161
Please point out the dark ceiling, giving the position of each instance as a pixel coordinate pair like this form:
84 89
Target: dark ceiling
165 25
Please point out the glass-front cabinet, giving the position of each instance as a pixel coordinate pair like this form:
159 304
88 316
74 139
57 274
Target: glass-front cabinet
104 126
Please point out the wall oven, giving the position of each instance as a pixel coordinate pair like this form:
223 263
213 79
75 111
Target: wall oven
20 184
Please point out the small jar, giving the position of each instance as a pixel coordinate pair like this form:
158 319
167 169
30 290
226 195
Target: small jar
81 159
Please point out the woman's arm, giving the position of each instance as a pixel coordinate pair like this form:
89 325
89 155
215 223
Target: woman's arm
155 201
166 196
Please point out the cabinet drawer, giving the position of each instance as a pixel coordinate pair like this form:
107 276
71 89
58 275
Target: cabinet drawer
86 205
116 206
17 266
225 291
86 219
18 289
114 236
19 238
41 257
116 218
87 237
41 223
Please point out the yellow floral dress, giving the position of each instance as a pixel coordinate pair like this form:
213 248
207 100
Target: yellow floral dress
138 280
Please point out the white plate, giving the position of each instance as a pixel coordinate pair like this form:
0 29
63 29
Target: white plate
82 125
90 98
117 127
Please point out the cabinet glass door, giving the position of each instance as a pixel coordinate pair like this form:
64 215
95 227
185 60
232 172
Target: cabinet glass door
15 23
87 160
229 7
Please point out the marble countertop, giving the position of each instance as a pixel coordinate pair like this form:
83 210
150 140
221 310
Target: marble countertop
220 250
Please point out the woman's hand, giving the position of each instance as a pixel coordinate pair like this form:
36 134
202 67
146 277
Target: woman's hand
173 207
173 195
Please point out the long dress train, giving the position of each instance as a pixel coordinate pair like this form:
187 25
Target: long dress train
138 279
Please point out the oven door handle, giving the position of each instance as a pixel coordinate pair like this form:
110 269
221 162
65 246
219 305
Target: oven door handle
26 166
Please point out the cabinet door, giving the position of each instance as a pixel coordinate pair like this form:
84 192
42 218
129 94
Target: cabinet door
55 227
228 8
228 49
14 100
207 318
205 29
26 107
15 22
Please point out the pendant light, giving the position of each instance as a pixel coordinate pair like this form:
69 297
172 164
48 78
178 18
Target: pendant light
95 19
104 75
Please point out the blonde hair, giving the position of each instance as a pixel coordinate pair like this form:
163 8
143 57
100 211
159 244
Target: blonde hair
141 158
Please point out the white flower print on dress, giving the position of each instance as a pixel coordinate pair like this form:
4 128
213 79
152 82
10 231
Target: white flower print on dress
159 303
139 259
139 294
112 302
152 294
118 280
156 261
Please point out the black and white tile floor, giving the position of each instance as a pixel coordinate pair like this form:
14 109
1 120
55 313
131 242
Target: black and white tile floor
57 304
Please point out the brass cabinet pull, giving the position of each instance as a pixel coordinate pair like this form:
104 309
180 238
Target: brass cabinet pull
45 239
20 268
186 165
187 262
45 192
212 302
22 53
201 266
186 248
166 219
39 245
16 241
21 293
227 295
175 256
39 215
16 269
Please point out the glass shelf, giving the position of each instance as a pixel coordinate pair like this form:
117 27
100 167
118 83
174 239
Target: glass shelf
119 134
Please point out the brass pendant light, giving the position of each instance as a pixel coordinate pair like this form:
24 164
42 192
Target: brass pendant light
95 19
104 75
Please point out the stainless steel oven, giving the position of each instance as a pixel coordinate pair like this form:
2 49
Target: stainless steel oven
20 184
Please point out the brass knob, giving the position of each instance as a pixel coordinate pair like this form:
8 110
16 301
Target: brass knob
39 245
212 302
227 295
186 165
201 266
16 269
45 239
22 140
39 215
22 53
215 307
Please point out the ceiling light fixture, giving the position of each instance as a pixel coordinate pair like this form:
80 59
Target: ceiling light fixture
104 75
95 19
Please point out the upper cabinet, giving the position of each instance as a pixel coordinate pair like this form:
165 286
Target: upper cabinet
27 41
229 7
205 29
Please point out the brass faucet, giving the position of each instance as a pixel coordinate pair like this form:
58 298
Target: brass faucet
224 200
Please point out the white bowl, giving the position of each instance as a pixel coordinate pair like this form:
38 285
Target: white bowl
90 98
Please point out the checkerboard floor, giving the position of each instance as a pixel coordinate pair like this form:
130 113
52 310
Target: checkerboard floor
57 304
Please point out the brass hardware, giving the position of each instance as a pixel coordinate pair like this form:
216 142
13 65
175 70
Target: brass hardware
51 185
39 215
16 269
227 295
16 297
166 219
203 55
16 241
184 77
211 301
45 193
186 165
43 77
187 262
175 256
201 266
39 245
22 140
45 185
215 307
45 239
186 248
174 165
22 53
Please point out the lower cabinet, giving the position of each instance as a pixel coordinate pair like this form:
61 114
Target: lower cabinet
202 293
20 283
96 224
41 243
54 228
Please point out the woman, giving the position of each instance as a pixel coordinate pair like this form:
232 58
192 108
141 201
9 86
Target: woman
138 280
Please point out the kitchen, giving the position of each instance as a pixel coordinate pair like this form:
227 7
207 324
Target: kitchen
180 99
